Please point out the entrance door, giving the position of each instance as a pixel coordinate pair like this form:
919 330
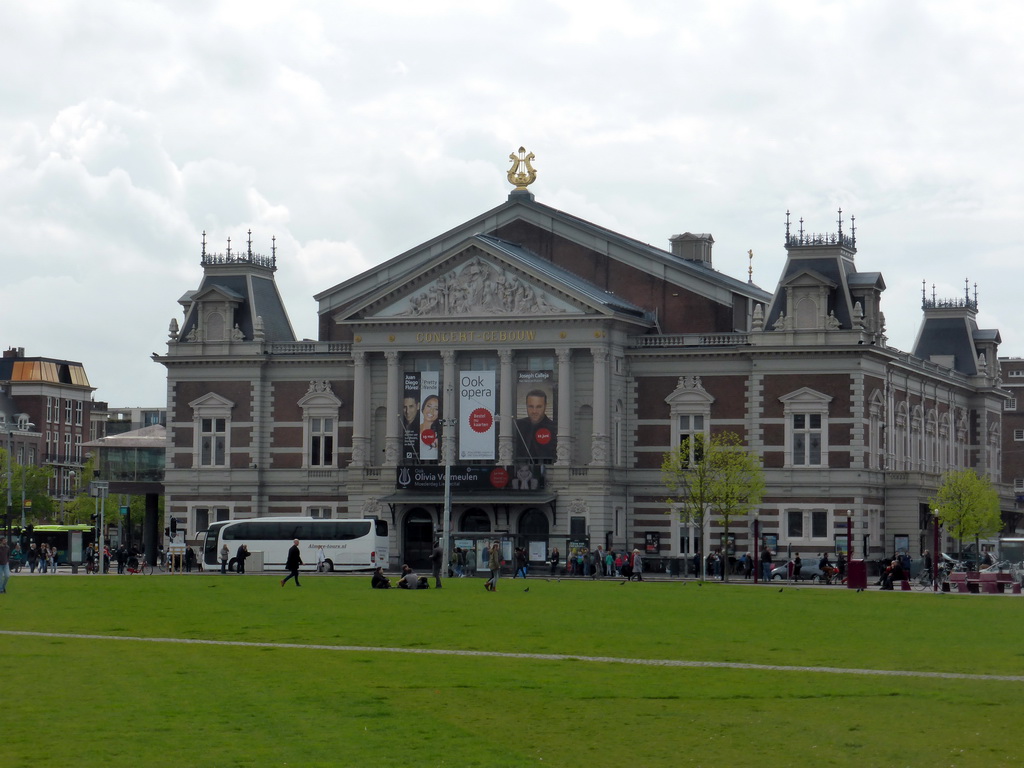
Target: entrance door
533 527
417 539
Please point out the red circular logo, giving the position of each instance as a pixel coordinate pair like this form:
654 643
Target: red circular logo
428 436
499 477
481 420
542 436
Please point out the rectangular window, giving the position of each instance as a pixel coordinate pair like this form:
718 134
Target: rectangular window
67 410
1018 434
78 413
323 513
212 442
1016 374
807 439
67 448
202 519
49 410
578 527
691 438
1018 484
78 448
321 442
807 525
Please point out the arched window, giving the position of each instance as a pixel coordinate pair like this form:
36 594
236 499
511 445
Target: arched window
474 521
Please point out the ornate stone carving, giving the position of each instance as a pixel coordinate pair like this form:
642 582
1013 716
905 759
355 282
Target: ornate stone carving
172 329
319 385
236 334
372 507
480 288
832 322
578 508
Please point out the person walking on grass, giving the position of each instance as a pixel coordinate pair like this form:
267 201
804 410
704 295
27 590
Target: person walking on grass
5 565
494 566
292 564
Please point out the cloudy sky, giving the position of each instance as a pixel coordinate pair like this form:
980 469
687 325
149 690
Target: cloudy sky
354 130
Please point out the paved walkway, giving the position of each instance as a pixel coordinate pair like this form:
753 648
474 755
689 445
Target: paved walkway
534 656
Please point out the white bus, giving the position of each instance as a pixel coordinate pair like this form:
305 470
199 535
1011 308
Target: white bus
349 545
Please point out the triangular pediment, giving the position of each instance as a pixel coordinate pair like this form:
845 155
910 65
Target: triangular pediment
479 287
486 278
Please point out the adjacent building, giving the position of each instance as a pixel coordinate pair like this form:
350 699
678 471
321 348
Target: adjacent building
548 364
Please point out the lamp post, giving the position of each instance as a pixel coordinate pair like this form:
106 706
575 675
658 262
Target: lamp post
935 551
23 425
757 543
446 523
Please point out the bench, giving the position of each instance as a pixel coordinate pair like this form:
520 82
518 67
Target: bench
982 583
995 582
958 579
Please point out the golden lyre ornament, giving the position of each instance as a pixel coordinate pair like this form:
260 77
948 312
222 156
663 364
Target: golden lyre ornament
521 174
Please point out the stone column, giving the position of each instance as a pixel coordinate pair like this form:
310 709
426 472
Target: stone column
506 409
599 446
392 434
360 403
448 414
563 449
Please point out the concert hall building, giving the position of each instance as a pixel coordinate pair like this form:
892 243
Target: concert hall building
540 366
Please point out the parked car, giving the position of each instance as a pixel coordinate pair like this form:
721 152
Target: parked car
808 572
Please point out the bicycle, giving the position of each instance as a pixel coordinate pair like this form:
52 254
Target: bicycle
90 566
135 565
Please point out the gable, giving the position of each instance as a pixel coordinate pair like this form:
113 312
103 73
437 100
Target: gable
483 278
479 287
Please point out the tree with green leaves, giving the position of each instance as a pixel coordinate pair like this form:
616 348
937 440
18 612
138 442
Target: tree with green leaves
30 483
967 506
713 476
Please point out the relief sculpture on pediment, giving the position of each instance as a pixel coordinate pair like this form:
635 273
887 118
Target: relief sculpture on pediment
480 289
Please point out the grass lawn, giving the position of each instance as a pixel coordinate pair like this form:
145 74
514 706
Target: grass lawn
91 701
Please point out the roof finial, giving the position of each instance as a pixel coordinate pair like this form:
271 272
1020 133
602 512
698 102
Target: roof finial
787 226
229 249
750 268
250 243
840 225
853 232
521 174
967 289
924 294
204 245
273 247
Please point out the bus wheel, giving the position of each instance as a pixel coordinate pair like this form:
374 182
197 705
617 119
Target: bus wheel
328 566
232 565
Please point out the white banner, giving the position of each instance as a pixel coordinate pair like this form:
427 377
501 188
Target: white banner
476 415
430 415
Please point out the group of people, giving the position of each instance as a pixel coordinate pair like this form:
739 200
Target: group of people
599 562
408 580
42 557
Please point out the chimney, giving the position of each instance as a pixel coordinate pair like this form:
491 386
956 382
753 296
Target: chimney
691 247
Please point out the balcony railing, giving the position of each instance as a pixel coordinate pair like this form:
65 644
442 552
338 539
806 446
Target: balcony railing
689 340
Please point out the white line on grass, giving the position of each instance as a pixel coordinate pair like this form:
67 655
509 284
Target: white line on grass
539 656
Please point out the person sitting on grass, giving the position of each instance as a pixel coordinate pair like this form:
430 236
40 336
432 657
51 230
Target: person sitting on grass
411 580
379 580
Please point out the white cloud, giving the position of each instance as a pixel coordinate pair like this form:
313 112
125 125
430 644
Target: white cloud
352 131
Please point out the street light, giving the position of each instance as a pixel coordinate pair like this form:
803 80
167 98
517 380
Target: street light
22 424
446 524
757 542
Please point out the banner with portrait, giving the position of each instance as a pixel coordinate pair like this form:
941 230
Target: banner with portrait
430 415
476 415
410 417
534 432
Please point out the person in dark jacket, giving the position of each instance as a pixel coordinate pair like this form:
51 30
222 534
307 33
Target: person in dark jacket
240 555
379 580
292 564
